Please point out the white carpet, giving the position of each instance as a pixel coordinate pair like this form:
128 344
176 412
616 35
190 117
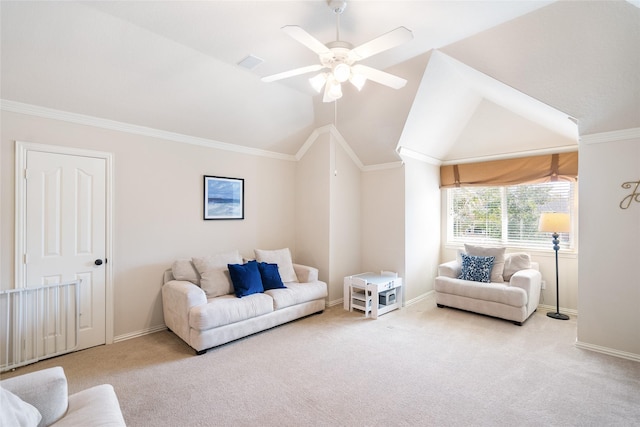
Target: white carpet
419 366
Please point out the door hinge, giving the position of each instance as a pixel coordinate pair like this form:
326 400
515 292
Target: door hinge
25 258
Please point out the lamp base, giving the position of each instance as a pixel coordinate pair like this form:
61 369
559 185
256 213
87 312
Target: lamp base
558 316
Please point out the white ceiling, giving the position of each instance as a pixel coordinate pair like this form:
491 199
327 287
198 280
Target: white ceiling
173 66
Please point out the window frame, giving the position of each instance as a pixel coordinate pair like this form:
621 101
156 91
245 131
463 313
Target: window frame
570 247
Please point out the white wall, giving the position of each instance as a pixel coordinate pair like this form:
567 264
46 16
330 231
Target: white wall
422 226
345 219
328 211
382 238
609 298
312 207
158 207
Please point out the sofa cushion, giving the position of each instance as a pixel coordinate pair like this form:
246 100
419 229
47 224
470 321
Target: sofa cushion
515 262
498 263
476 268
245 278
297 293
495 292
228 309
16 412
270 276
282 257
214 273
183 269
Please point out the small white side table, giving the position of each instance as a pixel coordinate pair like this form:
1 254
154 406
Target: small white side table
373 293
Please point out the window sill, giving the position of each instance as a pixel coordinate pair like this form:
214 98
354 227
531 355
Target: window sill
536 252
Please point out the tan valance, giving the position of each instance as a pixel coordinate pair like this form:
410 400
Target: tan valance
524 170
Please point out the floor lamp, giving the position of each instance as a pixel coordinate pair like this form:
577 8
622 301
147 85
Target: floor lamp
555 222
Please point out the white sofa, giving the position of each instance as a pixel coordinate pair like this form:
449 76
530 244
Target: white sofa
513 294
41 399
201 307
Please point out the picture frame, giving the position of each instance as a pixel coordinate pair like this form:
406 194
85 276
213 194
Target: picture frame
223 198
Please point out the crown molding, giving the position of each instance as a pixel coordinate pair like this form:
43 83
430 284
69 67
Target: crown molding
540 152
82 119
331 130
383 166
407 152
616 135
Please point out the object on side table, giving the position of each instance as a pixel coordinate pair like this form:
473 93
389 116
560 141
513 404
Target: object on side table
555 222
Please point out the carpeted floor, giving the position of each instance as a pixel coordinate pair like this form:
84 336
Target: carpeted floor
419 366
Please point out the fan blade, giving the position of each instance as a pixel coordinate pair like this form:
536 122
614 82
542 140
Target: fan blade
306 39
291 73
378 76
386 41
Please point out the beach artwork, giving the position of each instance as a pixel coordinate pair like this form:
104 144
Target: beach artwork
223 198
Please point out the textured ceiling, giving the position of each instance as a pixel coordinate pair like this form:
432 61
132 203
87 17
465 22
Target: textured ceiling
173 66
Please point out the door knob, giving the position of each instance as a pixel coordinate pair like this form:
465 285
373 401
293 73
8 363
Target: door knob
98 262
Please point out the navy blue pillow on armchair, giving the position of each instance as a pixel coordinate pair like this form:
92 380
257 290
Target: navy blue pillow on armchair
270 276
245 278
476 268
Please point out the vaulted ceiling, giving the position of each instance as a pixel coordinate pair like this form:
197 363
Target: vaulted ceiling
485 79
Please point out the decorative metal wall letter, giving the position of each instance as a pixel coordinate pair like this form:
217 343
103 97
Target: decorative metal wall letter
635 195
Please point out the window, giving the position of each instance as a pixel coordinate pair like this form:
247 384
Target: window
508 215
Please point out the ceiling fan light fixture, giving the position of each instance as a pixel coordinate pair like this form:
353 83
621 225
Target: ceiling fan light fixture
335 91
341 72
318 81
332 91
358 80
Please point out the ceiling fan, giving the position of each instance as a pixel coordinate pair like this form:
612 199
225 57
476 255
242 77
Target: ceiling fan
339 59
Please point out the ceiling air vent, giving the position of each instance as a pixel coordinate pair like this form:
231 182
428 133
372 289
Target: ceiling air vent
250 62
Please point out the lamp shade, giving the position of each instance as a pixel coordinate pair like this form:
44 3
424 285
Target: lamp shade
555 222
318 81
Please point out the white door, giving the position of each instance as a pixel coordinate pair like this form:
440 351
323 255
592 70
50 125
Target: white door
65 232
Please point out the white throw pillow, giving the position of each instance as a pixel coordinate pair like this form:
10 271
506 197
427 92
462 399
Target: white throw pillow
282 257
183 269
514 263
214 273
16 412
498 262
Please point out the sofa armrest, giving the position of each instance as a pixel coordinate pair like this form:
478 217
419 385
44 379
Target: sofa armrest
46 390
531 281
178 297
305 273
95 406
528 279
450 269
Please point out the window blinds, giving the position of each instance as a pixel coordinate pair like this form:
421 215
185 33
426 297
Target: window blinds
529 170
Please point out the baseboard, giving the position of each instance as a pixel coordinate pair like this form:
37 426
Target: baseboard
336 302
406 303
418 298
569 311
137 334
608 351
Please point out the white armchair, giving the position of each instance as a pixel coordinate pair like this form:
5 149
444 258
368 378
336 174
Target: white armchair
515 299
44 395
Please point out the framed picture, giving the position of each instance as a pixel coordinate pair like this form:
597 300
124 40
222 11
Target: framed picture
223 198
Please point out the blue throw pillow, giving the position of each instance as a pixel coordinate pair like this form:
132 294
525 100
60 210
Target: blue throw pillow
270 276
245 278
476 268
